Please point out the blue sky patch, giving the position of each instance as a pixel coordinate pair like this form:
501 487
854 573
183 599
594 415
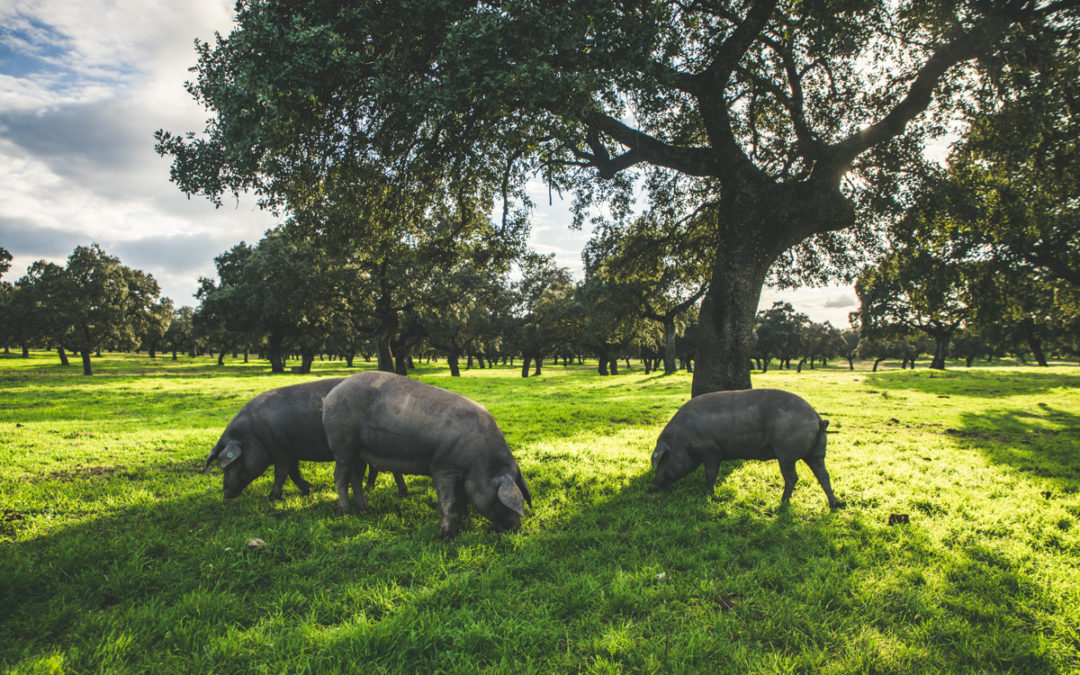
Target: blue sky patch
31 48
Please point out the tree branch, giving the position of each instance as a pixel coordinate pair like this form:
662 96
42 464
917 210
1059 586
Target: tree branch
920 93
716 75
642 148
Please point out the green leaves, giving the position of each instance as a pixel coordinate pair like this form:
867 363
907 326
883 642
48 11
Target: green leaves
93 302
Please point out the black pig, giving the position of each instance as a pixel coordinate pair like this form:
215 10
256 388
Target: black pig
280 427
746 424
398 424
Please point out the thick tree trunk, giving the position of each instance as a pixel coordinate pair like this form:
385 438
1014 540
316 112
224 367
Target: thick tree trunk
452 361
383 336
602 361
86 368
941 351
25 352
525 363
670 365
727 321
63 356
539 359
1035 344
174 355
277 361
757 221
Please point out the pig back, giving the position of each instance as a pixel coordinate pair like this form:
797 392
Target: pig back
288 421
398 424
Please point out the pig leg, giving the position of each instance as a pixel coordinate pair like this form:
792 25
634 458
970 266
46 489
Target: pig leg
446 488
398 478
461 500
281 472
357 480
712 468
298 480
343 472
817 465
787 470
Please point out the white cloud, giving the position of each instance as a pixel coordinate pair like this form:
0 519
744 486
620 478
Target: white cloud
87 86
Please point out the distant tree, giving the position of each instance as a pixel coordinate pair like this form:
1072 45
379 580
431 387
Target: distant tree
969 345
780 332
661 262
179 337
609 319
94 302
921 288
152 335
820 341
391 237
278 290
848 345
227 315
455 310
544 310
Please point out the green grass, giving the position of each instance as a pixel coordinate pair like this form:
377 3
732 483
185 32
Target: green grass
118 555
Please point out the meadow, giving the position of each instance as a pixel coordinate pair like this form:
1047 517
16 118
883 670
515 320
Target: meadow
117 554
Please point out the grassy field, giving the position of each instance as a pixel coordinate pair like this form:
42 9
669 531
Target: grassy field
118 555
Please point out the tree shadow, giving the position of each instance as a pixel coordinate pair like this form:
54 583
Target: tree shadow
992 383
1044 442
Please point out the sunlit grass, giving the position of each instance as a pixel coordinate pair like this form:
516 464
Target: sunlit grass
119 555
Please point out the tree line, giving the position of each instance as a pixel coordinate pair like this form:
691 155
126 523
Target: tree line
277 299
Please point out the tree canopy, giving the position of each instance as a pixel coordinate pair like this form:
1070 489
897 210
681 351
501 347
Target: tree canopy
792 118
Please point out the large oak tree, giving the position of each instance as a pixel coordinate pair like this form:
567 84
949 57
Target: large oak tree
787 116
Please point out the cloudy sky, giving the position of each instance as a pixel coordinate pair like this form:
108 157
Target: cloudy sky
83 86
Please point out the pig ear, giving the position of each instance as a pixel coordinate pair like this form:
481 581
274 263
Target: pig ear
230 454
523 486
510 495
658 455
214 452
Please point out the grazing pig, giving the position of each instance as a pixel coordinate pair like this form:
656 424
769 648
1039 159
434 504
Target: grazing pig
279 427
398 424
747 424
